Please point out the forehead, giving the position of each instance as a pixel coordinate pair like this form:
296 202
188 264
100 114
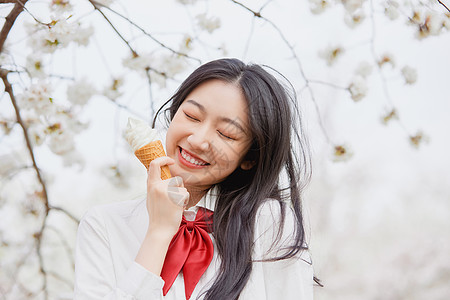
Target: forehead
221 99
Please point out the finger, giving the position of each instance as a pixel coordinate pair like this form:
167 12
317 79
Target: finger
175 181
180 199
154 169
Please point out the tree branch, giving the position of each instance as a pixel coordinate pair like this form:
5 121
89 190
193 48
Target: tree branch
38 235
440 2
9 21
297 60
134 53
75 219
9 90
149 35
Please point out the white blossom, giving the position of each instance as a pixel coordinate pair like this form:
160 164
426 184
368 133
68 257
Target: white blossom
58 34
354 19
352 5
12 217
391 10
409 74
82 35
61 142
139 63
387 58
35 65
117 174
4 59
187 2
428 24
364 69
358 88
186 44
36 131
389 116
418 139
114 90
331 54
72 158
170 65
80 92
223 49
318 6
61 6
10 162
38 98
67 121
446 21
208 23
341 153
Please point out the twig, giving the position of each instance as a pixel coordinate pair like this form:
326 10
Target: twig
255 13
65 244
38 235
380 71
9 90
75 219
114 28
60 278
148 34
9 21
328 84
440 2
134 53
297 60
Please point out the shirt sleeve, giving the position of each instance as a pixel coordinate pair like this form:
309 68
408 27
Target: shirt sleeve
288 278
95 276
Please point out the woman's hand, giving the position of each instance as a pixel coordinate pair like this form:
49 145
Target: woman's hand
165 204
165 199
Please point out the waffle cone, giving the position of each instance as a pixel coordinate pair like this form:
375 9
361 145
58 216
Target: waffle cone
151 151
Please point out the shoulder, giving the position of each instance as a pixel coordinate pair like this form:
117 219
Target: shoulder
272 211
112 212
276 227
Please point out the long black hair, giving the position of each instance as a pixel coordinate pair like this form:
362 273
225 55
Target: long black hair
278 149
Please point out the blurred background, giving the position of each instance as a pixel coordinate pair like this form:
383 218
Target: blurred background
372 83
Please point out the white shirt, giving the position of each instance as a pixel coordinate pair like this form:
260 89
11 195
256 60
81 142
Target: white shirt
109 238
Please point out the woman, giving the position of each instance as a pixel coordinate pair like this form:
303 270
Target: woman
232 138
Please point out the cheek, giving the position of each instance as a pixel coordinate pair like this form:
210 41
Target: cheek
171 138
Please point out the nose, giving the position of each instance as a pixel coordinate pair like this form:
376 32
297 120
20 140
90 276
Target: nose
199 141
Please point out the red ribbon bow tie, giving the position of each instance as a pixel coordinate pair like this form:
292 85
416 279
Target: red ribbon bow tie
190 250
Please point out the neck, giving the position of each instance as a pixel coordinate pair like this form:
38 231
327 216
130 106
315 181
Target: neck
195 195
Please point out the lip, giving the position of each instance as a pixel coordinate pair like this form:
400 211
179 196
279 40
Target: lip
188 163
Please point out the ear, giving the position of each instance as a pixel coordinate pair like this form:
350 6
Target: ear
247 165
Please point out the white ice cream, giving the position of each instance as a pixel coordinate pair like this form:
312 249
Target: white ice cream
139 133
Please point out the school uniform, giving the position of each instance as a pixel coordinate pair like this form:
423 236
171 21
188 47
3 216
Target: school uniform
109 238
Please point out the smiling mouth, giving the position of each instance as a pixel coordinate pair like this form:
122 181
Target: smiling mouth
190 160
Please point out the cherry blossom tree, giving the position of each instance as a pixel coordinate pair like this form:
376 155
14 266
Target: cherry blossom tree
67 66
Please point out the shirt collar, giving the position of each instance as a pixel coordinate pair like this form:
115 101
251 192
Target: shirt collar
208 201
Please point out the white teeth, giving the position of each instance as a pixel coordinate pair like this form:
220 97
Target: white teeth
191 159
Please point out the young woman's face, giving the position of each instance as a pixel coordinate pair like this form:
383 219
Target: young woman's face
208 136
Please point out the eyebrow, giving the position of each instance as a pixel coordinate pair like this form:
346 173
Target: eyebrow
225 119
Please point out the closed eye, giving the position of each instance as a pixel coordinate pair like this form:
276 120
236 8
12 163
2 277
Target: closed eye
225 136
191 117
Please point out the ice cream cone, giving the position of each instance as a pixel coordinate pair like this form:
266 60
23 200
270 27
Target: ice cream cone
151 151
